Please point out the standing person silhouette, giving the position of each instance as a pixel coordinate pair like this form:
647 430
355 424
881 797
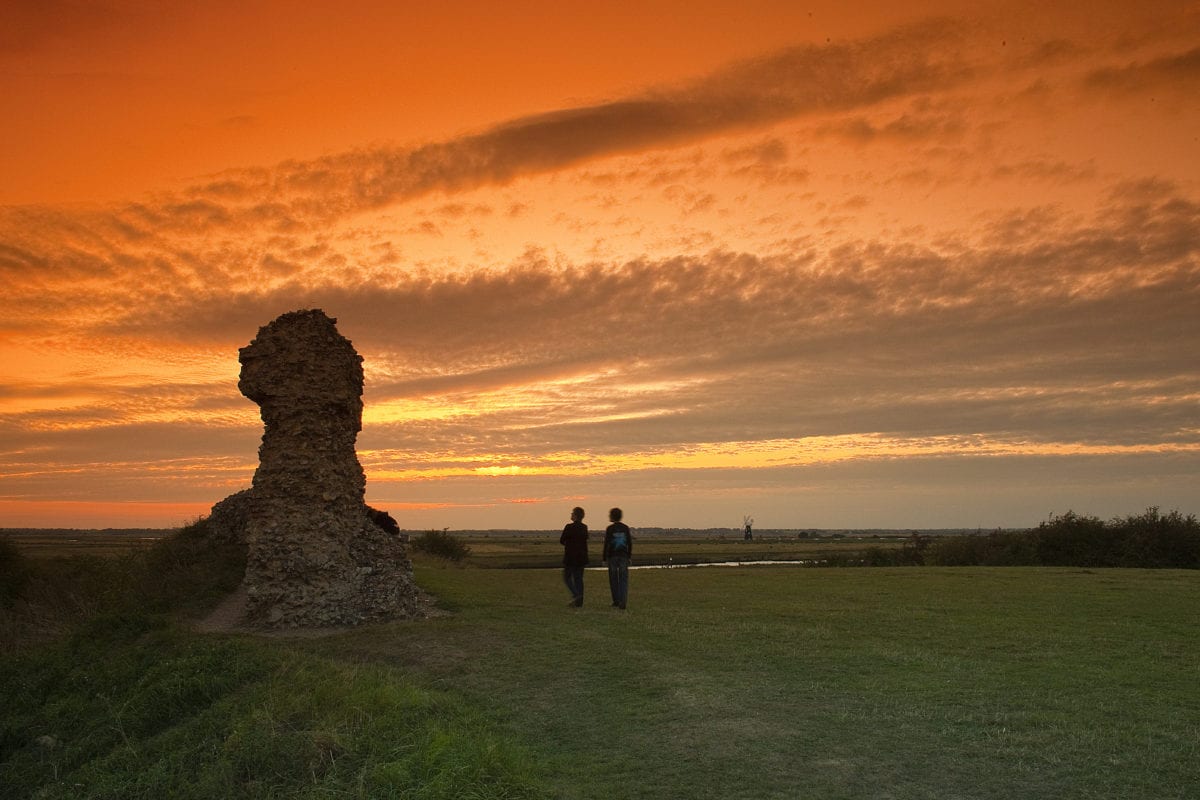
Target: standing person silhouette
618 548
574 540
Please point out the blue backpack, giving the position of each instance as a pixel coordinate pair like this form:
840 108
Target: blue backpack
620 542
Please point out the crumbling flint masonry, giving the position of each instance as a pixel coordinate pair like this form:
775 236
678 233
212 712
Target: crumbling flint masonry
317 555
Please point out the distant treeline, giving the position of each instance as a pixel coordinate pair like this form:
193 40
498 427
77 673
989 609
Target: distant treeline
156 532
1147 540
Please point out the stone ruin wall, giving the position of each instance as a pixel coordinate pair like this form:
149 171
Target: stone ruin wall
317 555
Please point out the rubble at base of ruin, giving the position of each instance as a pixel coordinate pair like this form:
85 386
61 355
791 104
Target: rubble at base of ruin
317 555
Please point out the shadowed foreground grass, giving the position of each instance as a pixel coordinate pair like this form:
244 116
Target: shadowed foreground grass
840 683
133 707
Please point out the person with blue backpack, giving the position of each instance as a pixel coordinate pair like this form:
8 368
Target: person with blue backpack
618 549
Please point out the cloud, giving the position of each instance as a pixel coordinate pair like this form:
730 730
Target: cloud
1143 244
1043 170
213 230
907 128
769 151
1147 235
1045 327
800 80
240 207
1178 73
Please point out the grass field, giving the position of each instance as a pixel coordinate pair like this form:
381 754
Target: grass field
753 682
785 682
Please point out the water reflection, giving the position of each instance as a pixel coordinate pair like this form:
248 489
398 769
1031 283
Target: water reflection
790 563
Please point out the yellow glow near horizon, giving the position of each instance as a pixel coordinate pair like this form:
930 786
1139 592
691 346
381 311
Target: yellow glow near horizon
755 455
594 405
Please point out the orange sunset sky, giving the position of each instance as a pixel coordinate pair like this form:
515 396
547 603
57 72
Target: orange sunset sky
830 264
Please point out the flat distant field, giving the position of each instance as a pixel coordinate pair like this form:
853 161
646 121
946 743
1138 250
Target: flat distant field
53 542
543 550
517 549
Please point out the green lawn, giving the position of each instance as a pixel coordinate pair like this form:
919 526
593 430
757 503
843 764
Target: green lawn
751 682
826 683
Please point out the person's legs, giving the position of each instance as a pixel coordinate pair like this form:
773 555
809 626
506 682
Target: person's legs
573 578
613 577
621 593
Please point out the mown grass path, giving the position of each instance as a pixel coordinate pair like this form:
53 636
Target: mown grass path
826 683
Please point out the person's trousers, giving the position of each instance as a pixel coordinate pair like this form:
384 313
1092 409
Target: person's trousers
573 578
618 579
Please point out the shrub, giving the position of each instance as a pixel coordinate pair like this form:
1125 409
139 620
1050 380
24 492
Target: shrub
1076 541
953 551
879 557
1147 540
441 544
906 556
1151 539
996 549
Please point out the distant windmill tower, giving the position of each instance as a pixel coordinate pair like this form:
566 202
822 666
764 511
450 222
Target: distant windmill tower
747 521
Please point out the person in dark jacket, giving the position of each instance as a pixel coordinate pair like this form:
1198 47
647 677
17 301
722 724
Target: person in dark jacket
618 549
574 540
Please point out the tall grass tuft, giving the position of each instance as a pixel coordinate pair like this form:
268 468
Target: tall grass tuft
441 544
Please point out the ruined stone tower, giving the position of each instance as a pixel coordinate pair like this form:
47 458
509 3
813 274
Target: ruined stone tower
314 555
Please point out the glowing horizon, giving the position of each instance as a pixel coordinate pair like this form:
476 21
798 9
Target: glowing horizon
879 265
